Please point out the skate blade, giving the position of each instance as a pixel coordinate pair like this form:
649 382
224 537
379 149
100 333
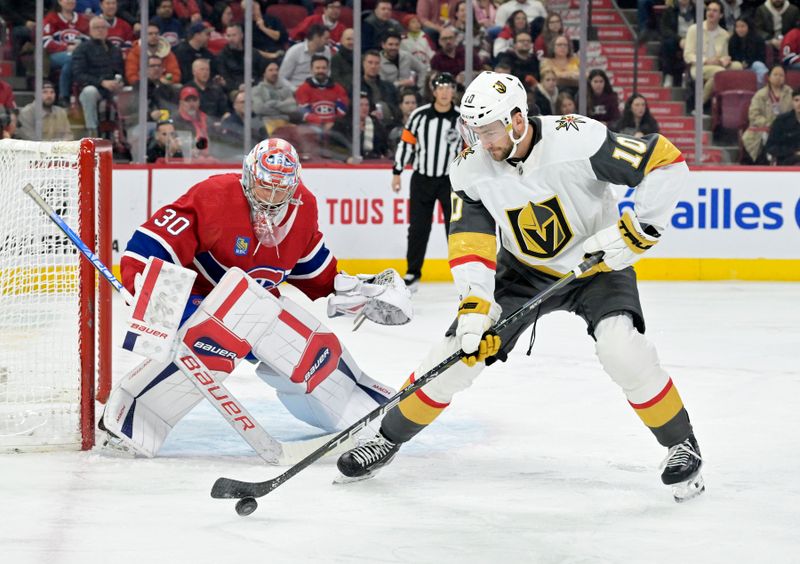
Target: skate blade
341 479
689 489
114 447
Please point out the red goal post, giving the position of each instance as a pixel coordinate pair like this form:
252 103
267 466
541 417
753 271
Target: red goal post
55 316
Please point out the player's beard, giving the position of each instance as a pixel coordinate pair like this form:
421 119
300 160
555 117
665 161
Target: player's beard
502 153
271 231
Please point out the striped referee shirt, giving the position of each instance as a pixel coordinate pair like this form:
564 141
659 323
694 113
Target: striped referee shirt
430 139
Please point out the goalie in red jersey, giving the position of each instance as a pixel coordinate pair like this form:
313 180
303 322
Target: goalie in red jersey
263 222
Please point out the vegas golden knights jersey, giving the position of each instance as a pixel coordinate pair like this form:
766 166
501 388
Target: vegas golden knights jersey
548 204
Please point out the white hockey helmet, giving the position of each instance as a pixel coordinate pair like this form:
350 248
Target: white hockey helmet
270 176
488 105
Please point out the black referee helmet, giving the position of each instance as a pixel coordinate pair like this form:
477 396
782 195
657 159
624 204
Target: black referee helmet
443 79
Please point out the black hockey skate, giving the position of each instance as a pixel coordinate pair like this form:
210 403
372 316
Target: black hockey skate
364 461
682 470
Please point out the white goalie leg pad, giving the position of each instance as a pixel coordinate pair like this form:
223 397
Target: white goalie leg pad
146 405
161 294
153 397
316 378
453 380
629 358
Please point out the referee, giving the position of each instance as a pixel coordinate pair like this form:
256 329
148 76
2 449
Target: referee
432 141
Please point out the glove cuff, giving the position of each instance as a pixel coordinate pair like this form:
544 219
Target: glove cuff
634 235
474 304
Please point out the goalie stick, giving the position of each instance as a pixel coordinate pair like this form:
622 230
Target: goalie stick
266 446
227 488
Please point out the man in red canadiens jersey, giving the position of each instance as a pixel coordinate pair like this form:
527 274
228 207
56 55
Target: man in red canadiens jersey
264 222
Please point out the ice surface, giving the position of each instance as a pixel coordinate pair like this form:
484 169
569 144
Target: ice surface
542 460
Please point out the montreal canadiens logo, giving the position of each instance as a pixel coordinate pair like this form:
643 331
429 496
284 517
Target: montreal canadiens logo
267 276
276 163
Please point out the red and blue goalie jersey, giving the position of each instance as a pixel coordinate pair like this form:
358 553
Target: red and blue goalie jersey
208 230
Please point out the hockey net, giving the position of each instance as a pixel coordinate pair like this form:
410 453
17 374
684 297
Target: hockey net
54 318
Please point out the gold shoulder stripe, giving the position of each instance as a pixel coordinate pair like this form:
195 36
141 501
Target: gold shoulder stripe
483 245
663 154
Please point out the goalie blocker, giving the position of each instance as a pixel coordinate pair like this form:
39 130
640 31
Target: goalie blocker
315 376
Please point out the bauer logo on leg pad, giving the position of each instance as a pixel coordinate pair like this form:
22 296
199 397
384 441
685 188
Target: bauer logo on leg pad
320 358
215 345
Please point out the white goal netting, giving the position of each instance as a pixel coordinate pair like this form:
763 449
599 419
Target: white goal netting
39 298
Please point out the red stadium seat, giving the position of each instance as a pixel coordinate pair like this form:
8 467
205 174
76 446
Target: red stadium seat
289 14
731 97
735 80
793 78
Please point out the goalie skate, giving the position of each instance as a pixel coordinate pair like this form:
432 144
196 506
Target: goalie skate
364 461
682 470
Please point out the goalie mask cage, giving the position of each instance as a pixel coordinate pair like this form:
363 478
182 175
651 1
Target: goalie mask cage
55 332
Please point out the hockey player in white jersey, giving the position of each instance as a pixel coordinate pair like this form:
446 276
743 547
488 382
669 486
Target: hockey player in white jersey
544 184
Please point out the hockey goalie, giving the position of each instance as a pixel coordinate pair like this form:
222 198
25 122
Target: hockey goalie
236 238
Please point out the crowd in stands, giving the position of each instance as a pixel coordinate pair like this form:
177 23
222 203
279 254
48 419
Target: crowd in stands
303 61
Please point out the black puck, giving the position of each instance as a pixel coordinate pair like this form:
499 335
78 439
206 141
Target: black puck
246 506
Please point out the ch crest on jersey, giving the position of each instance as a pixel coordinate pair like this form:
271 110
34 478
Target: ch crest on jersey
540 229
569 121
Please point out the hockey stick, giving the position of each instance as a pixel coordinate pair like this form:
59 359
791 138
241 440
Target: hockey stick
266 446
226 488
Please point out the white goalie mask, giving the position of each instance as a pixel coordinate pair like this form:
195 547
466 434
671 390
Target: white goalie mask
270 177
488 105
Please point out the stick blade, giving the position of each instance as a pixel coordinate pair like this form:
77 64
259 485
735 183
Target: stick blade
226 488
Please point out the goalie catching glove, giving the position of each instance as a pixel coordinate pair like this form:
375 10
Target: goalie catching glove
382 298
624 243
475 317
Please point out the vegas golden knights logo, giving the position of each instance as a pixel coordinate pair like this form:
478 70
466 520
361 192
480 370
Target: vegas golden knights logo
499 86
540 229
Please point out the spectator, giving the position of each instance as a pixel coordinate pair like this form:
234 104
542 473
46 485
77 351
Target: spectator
7 102
562 61
88 8
230 61
522 61
715 49
229 140
731 11
435 15
636 118
120 32
21 18
603 103
376 24
516 22
459 25
8 122
783 143
159 47
269 35
194 47
296 66
768 103
329 19
565 104
485 13
382 94
534 11
187 11
169 27
342 61
416 42
452 58
165 143
128 10
399 67
220 19
746 47
409 101
213 99
160 93
553 28
273 99
546 92
675 22
63 30
55 124
320 100
774 19
98 68
193 120
374 141
790 48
